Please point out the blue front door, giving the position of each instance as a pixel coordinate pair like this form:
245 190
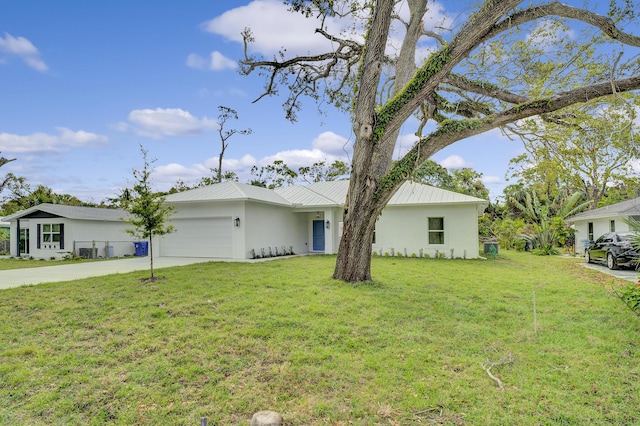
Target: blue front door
318 235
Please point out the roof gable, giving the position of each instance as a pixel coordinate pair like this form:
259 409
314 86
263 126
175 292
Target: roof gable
70 212
228 191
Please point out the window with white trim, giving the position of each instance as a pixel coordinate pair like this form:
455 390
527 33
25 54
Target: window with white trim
435 229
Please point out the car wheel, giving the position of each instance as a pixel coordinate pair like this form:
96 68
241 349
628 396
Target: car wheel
611 262
587 258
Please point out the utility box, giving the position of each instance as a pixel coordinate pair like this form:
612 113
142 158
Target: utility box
88 253
141 248
491 249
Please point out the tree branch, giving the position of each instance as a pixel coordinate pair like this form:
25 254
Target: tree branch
555 8
451 131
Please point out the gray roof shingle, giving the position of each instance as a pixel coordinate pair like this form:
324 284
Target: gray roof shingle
72 212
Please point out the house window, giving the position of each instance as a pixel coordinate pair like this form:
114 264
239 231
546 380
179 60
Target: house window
590 231
436 230
612 226
51 235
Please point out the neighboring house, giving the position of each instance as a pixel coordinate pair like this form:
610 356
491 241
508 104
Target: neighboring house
50 231
592 224
239 221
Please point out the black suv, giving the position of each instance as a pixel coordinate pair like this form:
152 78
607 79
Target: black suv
614 249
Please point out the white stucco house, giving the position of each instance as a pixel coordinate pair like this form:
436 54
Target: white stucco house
592 224
231 220
50 231
239 221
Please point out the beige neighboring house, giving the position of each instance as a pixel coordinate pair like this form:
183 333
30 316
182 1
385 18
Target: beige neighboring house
592 224
239 221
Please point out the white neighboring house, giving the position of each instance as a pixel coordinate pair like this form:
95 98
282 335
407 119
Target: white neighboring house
592 224
50 231
238 221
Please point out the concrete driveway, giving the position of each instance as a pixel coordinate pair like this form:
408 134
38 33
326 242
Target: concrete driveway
47 274
625 274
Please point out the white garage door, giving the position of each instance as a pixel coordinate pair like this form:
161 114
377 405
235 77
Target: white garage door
200 238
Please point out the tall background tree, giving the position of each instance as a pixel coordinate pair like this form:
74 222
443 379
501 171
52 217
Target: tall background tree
510 60
225 115
591 149
4 180
148 210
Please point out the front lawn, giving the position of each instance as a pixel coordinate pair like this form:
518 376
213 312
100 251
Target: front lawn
430 342
22 263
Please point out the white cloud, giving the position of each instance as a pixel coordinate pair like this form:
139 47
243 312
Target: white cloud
24 49
455 162
490 180
236 165
217 62
273 26
196 61
159 122
221 62
327 147
332 143
44 142
167 175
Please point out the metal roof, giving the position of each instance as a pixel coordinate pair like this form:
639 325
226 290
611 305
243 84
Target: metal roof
72 212
413 193
228 191
624 208
334 193
315 195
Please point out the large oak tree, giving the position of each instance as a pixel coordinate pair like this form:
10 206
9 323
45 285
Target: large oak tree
509 60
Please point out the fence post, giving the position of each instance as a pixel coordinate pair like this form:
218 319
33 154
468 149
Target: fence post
93 248
106 249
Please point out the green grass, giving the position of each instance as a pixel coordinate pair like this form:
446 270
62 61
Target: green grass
20 263
225 340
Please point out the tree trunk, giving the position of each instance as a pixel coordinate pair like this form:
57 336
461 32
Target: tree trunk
353 263
151 254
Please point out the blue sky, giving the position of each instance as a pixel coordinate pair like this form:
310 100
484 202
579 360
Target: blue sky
84 83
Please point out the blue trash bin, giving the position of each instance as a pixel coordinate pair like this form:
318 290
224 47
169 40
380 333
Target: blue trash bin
142 248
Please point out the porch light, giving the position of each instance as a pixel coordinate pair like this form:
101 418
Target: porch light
327 224
236 222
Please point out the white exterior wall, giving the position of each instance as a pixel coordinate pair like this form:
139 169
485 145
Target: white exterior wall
273 226
406 228
85 231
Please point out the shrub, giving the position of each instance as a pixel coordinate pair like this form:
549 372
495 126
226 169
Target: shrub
630 295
